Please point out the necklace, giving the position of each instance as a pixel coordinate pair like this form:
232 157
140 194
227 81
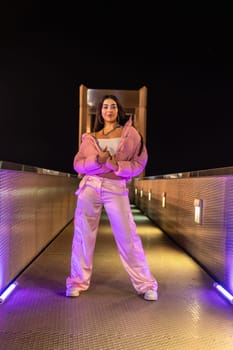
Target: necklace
109 132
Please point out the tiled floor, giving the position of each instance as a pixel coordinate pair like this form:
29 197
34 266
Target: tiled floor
189 314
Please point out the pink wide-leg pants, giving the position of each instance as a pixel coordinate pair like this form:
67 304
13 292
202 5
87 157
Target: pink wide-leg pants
95 192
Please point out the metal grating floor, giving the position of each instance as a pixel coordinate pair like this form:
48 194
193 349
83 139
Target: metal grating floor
189 314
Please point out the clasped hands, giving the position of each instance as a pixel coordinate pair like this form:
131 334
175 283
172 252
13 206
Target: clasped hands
104 156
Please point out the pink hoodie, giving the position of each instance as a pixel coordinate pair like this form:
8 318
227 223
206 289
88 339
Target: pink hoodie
130 164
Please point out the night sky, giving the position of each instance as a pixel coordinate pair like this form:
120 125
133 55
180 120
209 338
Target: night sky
186 64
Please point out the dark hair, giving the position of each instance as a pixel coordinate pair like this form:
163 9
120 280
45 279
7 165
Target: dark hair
141 145
99 122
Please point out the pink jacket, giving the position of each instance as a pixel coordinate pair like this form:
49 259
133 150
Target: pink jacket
130 164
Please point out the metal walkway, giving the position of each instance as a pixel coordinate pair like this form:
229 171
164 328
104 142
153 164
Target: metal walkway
189 314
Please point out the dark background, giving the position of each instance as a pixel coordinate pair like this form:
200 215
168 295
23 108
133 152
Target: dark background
48 50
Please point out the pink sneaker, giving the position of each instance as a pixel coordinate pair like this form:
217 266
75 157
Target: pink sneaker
151 295
72 292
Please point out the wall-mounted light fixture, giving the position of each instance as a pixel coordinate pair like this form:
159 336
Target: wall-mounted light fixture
198 210
135 191
141 192
164 199
7 292
149 195
224 292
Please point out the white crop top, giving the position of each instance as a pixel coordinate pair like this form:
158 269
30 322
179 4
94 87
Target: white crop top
110 143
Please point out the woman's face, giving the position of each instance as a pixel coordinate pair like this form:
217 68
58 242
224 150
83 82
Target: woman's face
109 110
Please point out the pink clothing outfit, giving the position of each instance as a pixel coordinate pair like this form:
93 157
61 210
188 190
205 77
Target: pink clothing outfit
130 164
96 192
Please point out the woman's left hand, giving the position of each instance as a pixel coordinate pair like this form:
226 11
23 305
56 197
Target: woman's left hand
111 163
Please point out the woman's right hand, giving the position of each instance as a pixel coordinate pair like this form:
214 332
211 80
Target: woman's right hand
103 156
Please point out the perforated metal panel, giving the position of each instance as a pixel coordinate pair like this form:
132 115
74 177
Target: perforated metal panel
33 209
210 242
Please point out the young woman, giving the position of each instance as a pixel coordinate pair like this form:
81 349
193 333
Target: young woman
108 158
